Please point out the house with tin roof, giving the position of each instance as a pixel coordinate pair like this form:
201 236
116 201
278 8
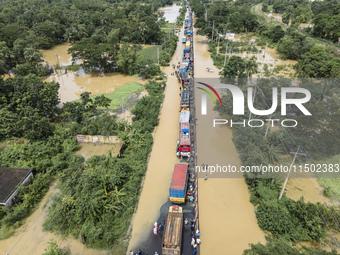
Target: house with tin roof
10 180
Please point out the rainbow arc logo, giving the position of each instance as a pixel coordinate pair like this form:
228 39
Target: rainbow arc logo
204 97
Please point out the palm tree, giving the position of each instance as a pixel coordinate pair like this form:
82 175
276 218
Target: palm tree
143 27
251 67
273 153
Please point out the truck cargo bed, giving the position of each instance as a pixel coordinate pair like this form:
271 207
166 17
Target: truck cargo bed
173 234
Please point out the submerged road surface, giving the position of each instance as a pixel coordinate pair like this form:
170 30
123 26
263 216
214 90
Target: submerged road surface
227 218
162 161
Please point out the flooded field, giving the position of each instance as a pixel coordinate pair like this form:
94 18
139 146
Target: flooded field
88 150
171 12
227 218
30 239
57 55
72 84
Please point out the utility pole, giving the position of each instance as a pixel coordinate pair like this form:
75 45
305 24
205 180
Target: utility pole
268 126
58 64
290 168
254 94
123 110
212 36
218 44
225 56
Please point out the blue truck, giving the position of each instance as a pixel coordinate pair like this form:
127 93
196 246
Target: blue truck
179 181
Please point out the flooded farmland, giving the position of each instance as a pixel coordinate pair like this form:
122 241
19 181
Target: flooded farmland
171 12
72 84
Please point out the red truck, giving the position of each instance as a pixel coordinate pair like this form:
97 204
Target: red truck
184 140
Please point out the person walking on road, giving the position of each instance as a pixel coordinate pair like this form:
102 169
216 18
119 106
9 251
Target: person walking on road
185 223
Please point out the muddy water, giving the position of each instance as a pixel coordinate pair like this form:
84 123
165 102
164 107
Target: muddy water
227 219
31 240
57 55
171 12
72 84
163 158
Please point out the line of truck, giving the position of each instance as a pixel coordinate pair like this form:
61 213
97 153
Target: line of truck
172 238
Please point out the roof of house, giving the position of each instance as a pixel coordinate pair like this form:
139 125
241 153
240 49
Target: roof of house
10 179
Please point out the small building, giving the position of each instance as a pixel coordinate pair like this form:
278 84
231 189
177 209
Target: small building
230 36
10 180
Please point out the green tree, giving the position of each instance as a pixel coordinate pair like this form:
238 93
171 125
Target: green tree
285 18
277 33
265 7
53 249
251 67
234 68
128 57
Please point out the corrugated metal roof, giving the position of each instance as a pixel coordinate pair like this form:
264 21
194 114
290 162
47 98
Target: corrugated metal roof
10 179
179 177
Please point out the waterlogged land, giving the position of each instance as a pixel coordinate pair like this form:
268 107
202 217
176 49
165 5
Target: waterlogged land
227 218
72 84
30 239
171 12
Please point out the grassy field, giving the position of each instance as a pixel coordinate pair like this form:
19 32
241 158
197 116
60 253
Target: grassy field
121 93
169 26
150 53
331 185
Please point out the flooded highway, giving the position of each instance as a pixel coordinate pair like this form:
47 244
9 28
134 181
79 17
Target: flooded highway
155 190
227 218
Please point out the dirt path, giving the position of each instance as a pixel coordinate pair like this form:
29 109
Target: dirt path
162 160
227 219
30 239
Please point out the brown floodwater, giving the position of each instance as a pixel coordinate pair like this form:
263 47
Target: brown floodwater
57 55
227 218
309 188
162 160
171 12
30 239
72 84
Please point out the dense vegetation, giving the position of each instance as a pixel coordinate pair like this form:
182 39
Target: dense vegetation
316 59
324 15
97 30
104 191
98 197
288 219
225 16
280 246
